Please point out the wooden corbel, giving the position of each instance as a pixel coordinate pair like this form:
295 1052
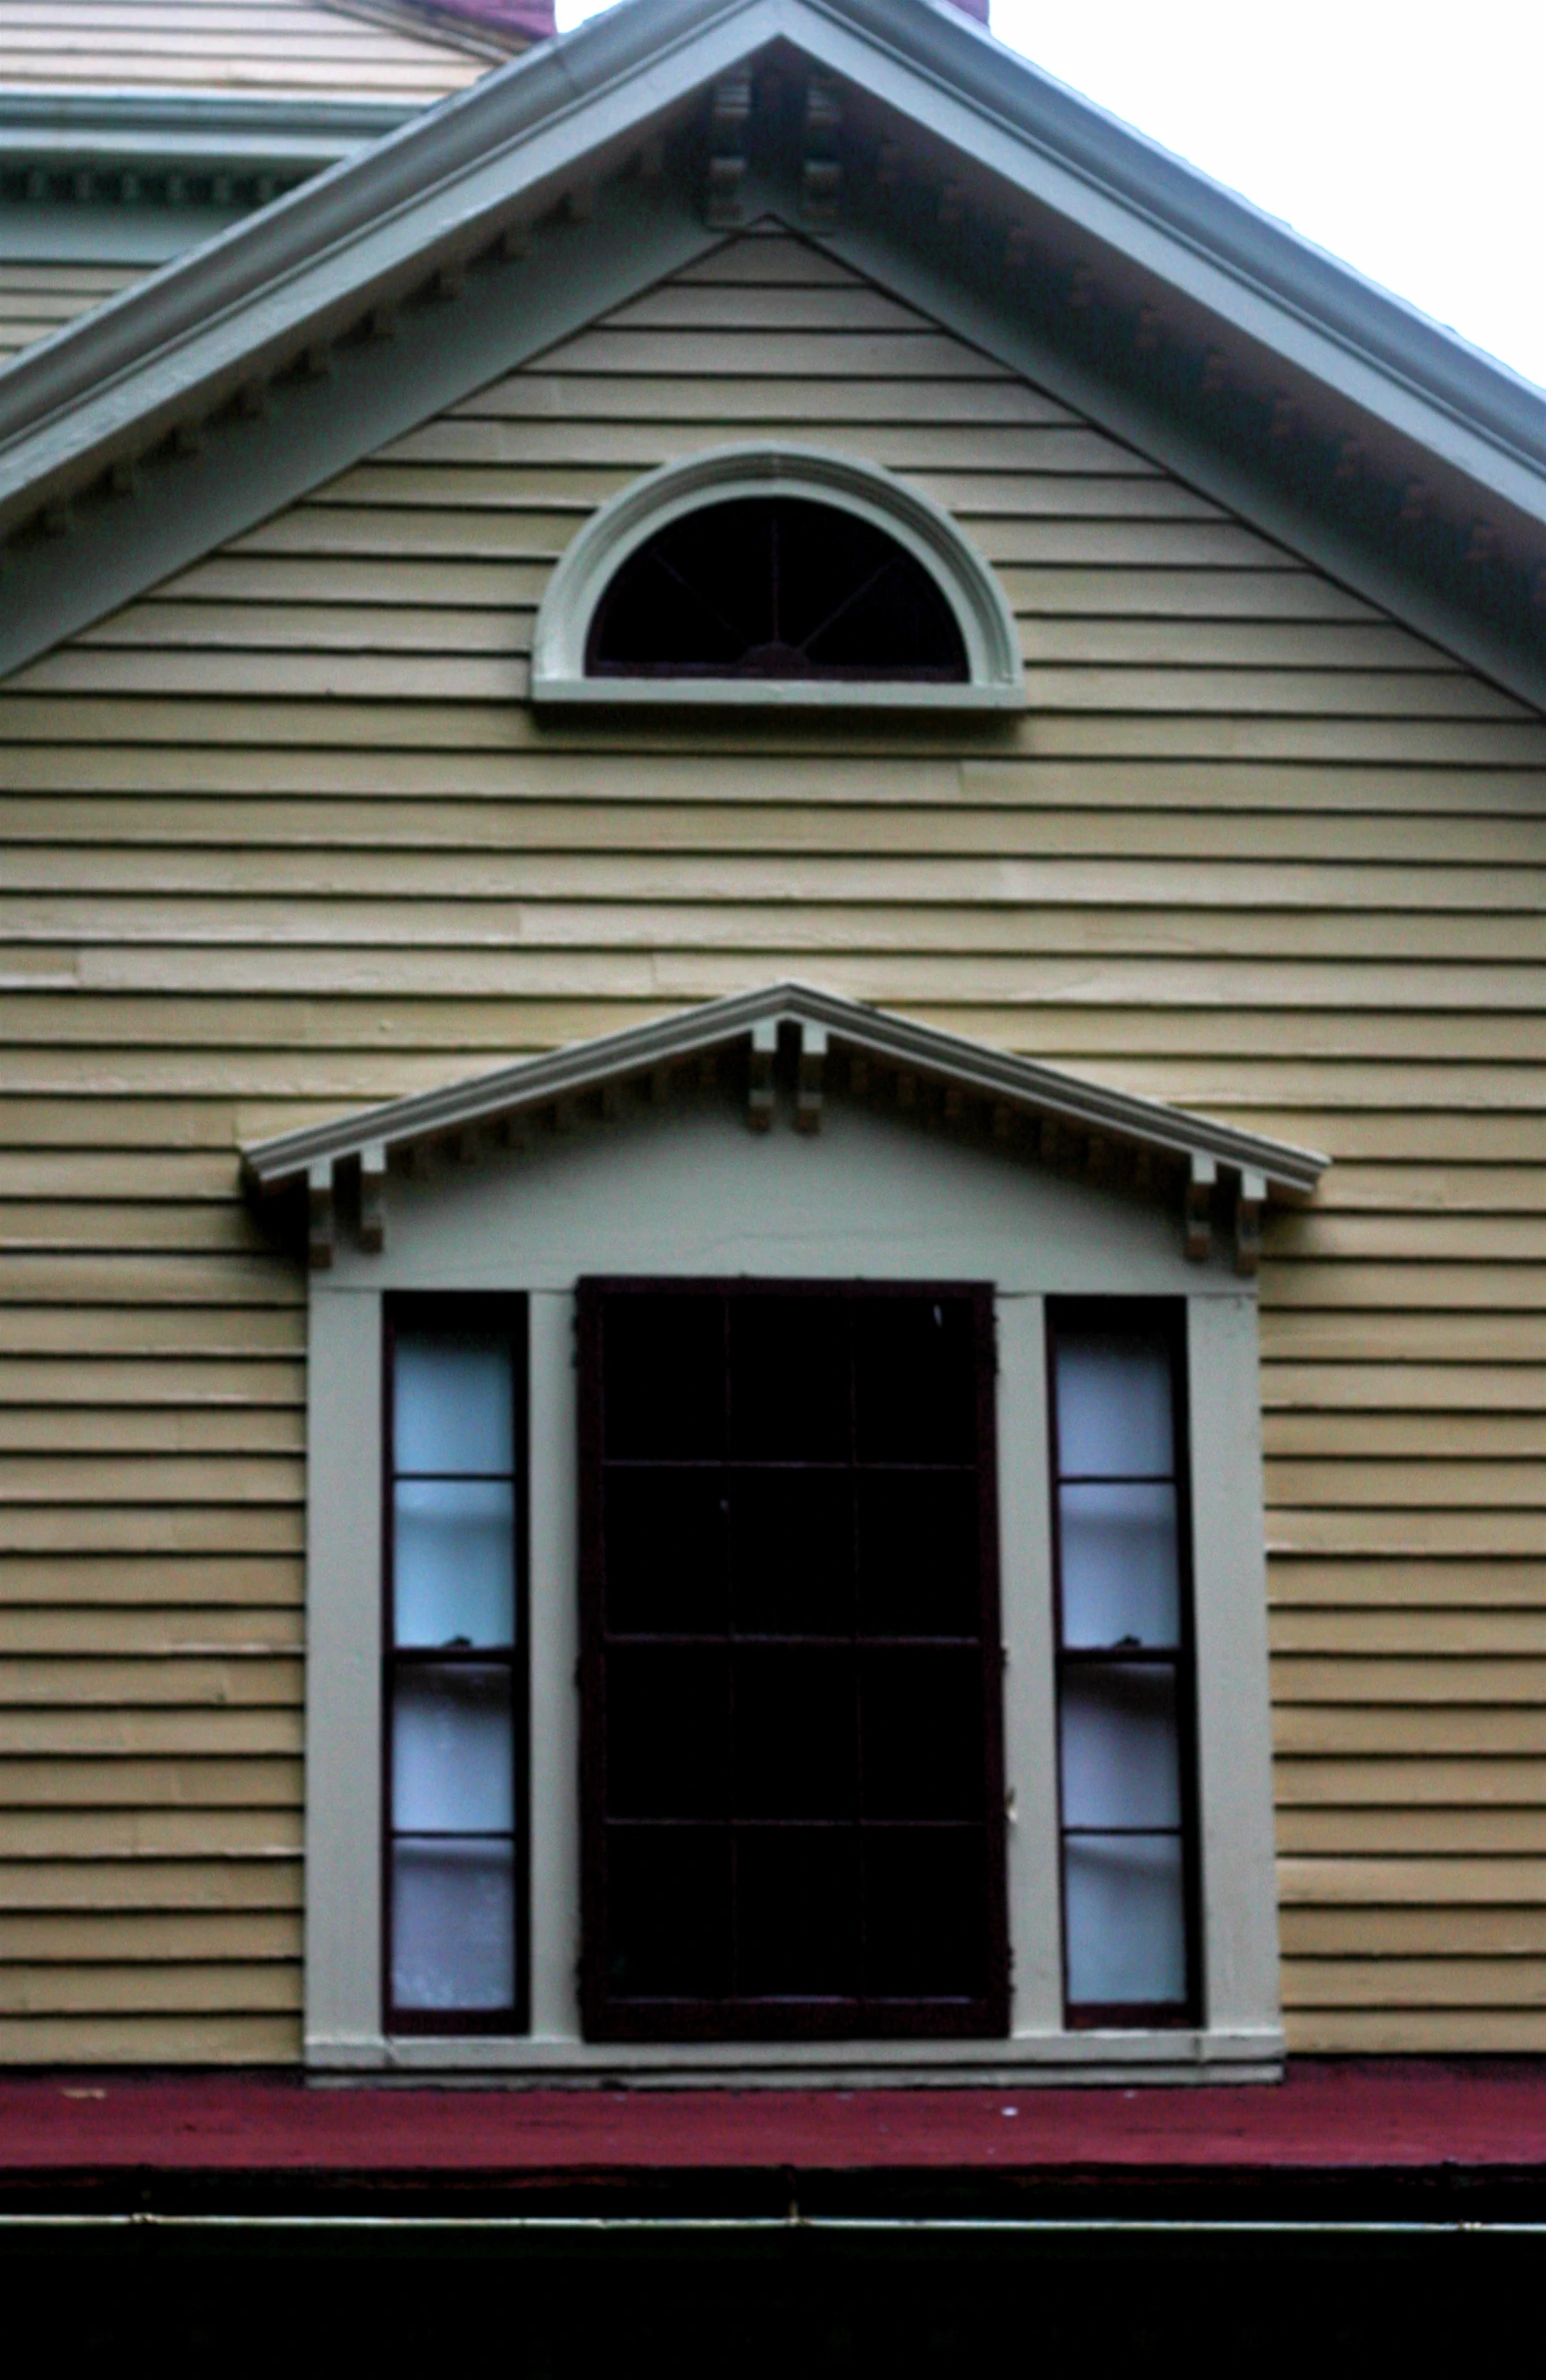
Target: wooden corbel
319 1197
808 1095
372 1181
1247 1223
759 1096
1200 1208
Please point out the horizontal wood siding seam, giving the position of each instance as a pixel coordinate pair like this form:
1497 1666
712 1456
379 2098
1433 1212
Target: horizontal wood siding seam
280 840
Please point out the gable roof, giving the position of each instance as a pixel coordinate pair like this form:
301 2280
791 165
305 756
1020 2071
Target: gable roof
922 152
1019 1092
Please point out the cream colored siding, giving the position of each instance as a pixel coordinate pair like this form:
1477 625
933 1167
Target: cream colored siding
283 838
248 46
38 298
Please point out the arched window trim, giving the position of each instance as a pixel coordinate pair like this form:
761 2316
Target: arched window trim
995 678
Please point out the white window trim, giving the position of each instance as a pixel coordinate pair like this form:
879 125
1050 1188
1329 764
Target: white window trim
1241 2038
996 677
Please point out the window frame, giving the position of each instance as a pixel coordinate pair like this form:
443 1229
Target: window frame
534 1221
994 681
608 2018
1166 1318
505 1316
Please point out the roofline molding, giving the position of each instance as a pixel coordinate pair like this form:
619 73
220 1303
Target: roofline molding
1017 1089
81 410
1016 121
229 131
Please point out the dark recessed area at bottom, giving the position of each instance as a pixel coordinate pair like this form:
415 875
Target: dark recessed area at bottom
768 2304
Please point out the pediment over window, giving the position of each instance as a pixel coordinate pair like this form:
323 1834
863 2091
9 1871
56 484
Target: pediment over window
782 1051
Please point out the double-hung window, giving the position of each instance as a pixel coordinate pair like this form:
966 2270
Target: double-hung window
455 1673
1124 1675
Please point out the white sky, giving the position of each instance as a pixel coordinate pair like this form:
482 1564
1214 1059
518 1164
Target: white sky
1407 136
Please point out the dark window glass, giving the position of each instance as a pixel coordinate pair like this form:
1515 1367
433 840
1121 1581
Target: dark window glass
775 586
1124 1664
792 1766
454 1684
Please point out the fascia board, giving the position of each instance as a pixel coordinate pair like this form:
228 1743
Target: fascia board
270 1165
348 233
1109 190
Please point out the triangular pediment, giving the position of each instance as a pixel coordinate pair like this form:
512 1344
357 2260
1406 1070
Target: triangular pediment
911 147
810 1039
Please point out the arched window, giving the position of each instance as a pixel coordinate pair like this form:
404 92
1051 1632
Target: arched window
774 576
775 586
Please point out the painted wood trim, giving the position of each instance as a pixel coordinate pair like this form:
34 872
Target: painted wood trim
343 1699
720 475
1152 1123
1234 1719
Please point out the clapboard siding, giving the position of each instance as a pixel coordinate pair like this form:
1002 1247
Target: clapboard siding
281 838
225 45
38 298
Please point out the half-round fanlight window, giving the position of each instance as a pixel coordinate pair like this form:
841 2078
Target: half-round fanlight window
775 586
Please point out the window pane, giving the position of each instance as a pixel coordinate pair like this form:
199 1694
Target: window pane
1114 1405
1121 1564
922 1734
668 1733
789 1379
1126 1920
926 1913
916 1379
453 1924
1120 1763
918 1555
792 1538
665 1550
668 1912
453 1562
798 1909
794 1735
664 1377
452 1407
452 1750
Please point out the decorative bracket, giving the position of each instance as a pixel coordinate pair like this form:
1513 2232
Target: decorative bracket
1247 1223
822 177
318 1199
729 122
760 1099
1199 1206
807 1096
372 1178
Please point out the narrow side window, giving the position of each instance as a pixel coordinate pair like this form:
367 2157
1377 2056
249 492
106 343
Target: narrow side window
455 1683
1124 1667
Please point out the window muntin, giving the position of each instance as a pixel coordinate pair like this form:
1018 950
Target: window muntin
1124 1669
455 1676
792 1798
766 587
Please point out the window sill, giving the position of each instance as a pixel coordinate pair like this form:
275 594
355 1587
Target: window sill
751 693
1168 2056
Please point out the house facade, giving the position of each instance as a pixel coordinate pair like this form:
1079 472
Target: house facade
773 1131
